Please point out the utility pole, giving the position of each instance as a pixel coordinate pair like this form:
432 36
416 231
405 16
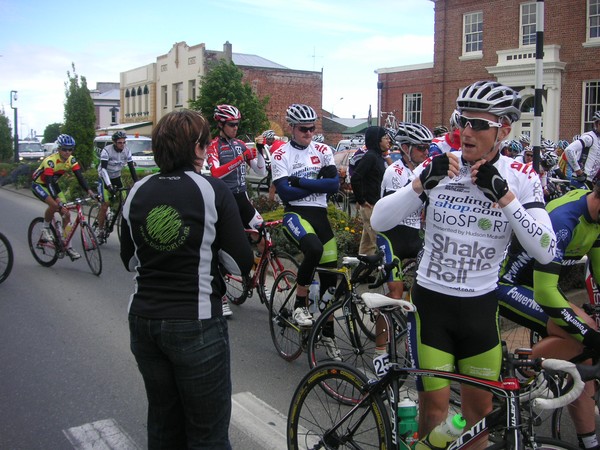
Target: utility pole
13 96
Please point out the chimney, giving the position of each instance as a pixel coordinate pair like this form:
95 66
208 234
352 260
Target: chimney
227 51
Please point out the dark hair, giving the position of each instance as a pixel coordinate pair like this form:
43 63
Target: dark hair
175 136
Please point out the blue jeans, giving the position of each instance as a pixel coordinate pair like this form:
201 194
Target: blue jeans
186 368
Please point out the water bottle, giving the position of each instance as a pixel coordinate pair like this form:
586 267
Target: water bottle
407 421
444 434
327 298
313 296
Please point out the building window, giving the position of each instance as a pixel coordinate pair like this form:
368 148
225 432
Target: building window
593 19
178 94
113 115
164 96
591 99
528 23
192 89
412 108
473 32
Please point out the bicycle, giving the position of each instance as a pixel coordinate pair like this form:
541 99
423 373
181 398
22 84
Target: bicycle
271 263
113 216
6 257
47 253
291 339
358 417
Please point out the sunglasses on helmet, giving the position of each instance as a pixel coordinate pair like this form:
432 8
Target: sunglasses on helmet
477 124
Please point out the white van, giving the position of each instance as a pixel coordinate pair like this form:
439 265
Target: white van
350 144
31 151
141 151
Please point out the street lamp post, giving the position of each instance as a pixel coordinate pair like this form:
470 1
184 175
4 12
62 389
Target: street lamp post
13 96
336 103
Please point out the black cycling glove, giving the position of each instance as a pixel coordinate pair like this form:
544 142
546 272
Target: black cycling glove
294 181
435 172
327 172
580 178
491 182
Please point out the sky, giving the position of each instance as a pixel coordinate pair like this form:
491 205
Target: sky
348 40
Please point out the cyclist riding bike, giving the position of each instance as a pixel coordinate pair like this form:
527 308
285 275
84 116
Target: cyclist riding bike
565 327
45 186
112 160
585 152
304 173
404 241
474 200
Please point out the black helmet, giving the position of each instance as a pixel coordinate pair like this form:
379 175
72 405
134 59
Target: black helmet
119 135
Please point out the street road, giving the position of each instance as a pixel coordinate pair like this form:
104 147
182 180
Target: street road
65 358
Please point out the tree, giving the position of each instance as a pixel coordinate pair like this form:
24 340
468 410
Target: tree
51 132
6 139
223 85
80 118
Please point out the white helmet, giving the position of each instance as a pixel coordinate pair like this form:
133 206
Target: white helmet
491 97
298 113
413 134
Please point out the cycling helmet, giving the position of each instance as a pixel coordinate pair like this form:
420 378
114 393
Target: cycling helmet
269 134
440 130
454 120
227 113
596 116
491 97
548 145
504 144
525 138
563 144
516 147
318 138
119 135
576 137
549 160
65 141
413 134
298 113
391 133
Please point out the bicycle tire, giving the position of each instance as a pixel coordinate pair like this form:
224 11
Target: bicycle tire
280 261
6 258
287 336
45 253
357 348
236 288
91 248
117 224
562 426
312 412
538 443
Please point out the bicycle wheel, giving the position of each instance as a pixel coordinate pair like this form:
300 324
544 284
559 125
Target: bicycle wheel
44 252
92 216
275 263
91 248
287 336
538 443
356 347
118 224
316 420
6 258
237 288
562 425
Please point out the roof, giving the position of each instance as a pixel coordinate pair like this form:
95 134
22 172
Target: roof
242 59
112 94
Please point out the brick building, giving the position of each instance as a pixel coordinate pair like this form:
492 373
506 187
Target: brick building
471 44
151 91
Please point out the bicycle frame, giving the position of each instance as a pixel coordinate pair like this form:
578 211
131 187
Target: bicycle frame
79 218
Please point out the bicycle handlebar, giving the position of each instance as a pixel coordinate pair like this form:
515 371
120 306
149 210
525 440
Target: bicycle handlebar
559 365
77 201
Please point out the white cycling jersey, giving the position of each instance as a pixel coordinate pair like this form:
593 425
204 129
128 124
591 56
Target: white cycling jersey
288 160
466 233
397 176
592 163
116 162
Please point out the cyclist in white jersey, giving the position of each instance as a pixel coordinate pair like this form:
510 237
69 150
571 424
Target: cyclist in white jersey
112 160
304 173
475 199
589 142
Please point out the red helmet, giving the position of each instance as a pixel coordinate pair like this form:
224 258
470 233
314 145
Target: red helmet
227 113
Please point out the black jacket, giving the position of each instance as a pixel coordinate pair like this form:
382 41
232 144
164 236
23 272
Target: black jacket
367 177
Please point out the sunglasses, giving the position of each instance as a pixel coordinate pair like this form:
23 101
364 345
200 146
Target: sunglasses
121 142
477 124
67 149
307 129
232 124
422 148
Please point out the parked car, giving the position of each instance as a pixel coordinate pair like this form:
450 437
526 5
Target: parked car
342 161
31 151
350 144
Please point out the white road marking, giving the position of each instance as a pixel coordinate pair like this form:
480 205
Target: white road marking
100 435
263 423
